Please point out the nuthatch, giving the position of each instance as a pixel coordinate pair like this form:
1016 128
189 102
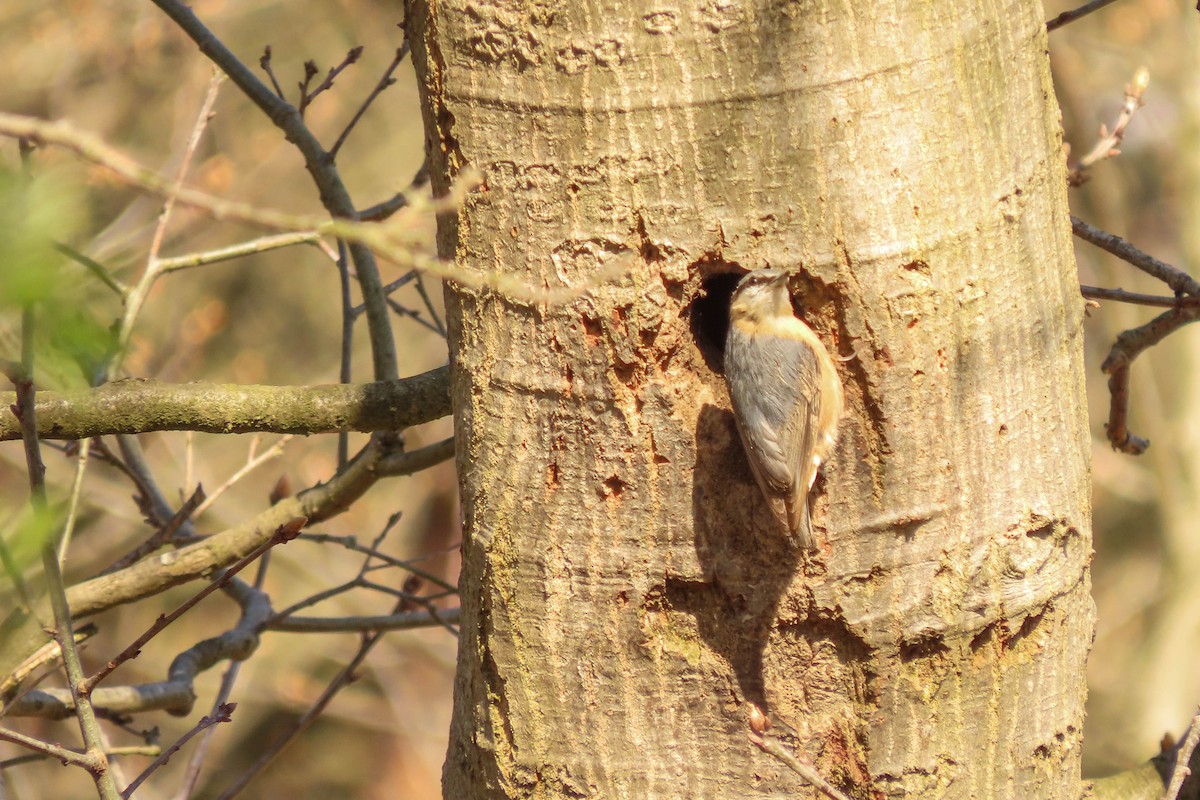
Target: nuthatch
786 394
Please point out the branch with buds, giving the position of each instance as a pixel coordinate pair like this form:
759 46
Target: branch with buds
1109 144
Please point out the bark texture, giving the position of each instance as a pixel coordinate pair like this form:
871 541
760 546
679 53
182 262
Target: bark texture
625 589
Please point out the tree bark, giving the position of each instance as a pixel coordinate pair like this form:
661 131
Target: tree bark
625 589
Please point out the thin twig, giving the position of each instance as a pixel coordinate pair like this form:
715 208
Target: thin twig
132 750
224 713
343 679
252 463
163 533
1122 296
80 692
1117 427
1183 758
262 244
189 153
351 543
54 751
1068 17
151 501
177 694
196 762
333 193
25 410
377 542
772 746
412 314
384 82
396 242
1129 345
1132 343
47 655
81 463
136 296
345 361
401 621
437 321
320 597
410 461
152 576
265 62
310 71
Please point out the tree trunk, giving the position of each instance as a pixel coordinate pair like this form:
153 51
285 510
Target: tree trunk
625 588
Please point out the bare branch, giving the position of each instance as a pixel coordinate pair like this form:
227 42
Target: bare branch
46 655
344 678
351 543
1177 279
334 195
283 534
54 751
1130 344
774 747
152 576
25 410
408 462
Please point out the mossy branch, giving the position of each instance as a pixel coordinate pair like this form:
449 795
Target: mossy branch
142 406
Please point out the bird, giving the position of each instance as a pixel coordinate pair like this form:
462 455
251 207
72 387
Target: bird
786 395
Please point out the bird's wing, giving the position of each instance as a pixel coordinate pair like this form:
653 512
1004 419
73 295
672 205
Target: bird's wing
777 412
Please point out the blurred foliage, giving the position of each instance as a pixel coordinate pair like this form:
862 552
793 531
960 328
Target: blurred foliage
25 535
70 341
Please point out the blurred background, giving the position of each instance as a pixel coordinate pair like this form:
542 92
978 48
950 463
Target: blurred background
121 70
